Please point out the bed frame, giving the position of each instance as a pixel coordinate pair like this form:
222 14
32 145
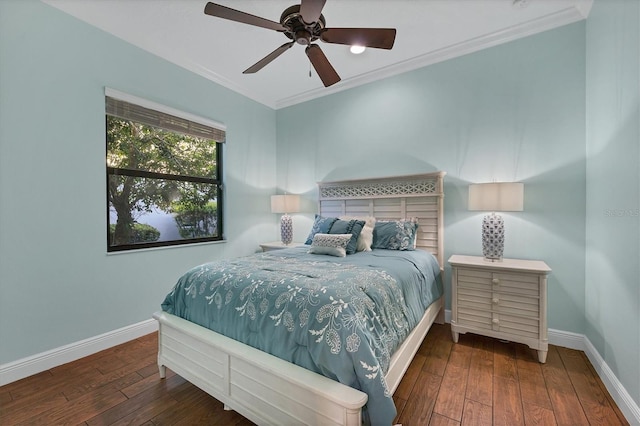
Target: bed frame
270 391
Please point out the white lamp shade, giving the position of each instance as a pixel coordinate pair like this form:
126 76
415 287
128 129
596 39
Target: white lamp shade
285 203
497 197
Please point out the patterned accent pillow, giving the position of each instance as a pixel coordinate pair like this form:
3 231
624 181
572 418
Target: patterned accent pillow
320 225
331 244
395 234
353 227
365 239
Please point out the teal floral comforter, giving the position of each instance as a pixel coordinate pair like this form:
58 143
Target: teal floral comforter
340 317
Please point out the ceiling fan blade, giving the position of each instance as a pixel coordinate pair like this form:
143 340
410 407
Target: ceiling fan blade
310 10
270 57
325 71
380 38
224 12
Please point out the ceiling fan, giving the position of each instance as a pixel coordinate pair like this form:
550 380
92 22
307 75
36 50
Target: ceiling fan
304 23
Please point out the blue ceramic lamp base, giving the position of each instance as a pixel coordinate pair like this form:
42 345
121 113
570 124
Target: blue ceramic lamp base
493 237
286 229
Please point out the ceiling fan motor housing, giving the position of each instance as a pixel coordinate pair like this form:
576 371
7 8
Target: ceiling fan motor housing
298 30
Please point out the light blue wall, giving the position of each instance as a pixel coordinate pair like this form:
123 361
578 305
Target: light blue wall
613 188
57 284
515 112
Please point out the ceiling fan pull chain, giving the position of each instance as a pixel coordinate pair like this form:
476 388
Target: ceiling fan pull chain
309 69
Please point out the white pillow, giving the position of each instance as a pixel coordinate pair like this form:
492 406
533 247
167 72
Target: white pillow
365 239
331 244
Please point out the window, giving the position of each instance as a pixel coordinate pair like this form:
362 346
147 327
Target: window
164 175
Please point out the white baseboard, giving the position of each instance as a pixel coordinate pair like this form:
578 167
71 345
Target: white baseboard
566 339
34 364
580 342
618 392
447 316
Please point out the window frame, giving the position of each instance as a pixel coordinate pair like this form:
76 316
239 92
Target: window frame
217 180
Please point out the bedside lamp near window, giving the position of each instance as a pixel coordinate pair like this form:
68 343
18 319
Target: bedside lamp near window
285 204
495 197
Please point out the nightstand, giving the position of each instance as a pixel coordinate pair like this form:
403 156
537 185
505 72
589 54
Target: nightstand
277 245
505 299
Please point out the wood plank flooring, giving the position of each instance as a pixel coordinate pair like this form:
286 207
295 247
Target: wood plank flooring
478 381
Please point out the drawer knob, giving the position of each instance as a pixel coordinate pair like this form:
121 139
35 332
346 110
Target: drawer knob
496 300
495 320
495 281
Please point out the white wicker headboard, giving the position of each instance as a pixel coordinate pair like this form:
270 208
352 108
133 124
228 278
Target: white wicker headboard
392 198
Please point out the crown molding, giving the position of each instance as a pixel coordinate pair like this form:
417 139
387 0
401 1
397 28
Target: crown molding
224 82
579 11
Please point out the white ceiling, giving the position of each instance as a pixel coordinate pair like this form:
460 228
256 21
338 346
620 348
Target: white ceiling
428 31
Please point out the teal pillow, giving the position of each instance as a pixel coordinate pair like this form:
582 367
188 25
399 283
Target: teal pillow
395 235
321 225
353 227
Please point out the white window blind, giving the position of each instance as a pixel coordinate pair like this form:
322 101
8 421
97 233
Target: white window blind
142 111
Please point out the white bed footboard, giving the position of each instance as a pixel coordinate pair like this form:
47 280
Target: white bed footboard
260 386
265 389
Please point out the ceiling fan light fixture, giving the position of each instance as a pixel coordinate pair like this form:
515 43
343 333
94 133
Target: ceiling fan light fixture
303 37
356 49
303 24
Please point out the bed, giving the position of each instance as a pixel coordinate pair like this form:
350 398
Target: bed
315 306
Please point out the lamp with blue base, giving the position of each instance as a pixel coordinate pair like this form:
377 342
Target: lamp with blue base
285 204
495 197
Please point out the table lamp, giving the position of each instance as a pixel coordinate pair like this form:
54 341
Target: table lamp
495 197
285 204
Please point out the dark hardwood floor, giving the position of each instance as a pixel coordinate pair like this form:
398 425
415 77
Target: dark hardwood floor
479 381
